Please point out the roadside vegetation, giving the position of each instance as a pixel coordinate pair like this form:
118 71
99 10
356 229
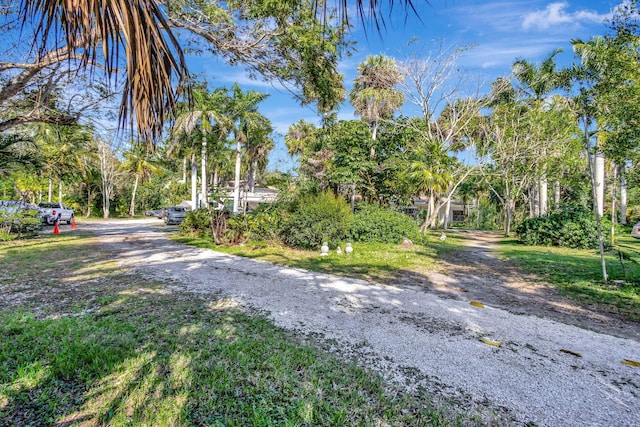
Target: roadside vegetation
85 342
575 273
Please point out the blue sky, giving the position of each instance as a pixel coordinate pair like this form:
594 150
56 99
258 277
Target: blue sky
500 31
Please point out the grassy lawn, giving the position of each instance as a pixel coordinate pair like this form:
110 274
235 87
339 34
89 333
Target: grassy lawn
86 343
374 262
578 273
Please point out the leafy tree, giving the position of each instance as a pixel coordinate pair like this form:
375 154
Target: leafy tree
283 41
450 109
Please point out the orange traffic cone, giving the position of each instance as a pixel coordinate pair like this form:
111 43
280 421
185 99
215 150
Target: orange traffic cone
73 222
56 229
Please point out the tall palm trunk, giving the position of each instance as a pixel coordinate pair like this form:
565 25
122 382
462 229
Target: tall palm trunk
599 181
50 195
447 214
614 202
236 183
623 196
556 196
194 182
204 200
593 170
184 170
543 195
89 201
132 207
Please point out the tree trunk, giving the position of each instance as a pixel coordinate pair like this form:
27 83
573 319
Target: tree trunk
374 135
204 195
532 202
599 182
556 196
236 183
215 177
543 195
623 196
50 196
253 166
105 204
194 182
508 217
593 166
89 201
132 207
447 213
614 190
184 169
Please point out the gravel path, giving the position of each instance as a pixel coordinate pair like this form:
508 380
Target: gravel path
544 372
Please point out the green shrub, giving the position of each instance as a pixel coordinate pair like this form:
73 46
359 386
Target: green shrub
237 229
377 224
571 226
16 223
266 223
315 219
196 222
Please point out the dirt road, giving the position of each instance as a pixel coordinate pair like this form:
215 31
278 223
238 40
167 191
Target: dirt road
510 368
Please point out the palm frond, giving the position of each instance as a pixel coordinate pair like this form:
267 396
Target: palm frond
135 29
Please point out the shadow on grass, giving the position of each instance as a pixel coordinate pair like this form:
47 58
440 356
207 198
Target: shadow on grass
99 346
149 358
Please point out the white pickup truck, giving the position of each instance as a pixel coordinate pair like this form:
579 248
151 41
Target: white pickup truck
50 212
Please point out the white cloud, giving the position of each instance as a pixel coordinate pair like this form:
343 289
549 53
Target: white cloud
556 14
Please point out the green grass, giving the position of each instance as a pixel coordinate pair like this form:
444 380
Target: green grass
84 342
376 262
578 273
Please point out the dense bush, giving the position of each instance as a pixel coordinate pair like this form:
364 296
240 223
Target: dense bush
196 222
377 224
314 219
573 227
266 223
17 222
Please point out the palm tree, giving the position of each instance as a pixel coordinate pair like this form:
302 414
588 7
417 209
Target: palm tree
138 30
258 147
244 115
137 161
207 114
429 173
374 95
537 82
300 137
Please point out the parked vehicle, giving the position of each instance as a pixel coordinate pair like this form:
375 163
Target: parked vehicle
174 214
158 213
635 231
50 212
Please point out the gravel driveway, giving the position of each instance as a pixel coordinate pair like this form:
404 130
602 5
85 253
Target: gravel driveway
546 373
